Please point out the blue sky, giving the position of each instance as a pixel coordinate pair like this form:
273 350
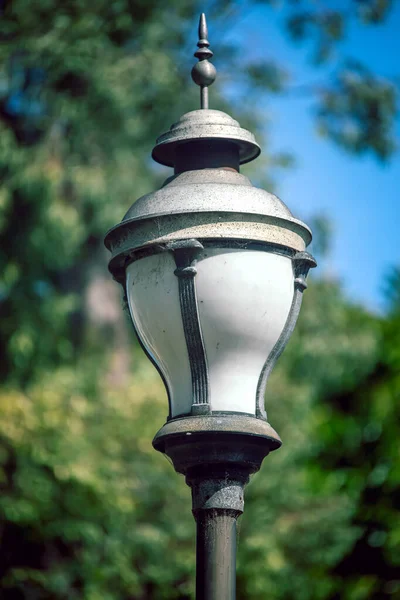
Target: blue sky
358 194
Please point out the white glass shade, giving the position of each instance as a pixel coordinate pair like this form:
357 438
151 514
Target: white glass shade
243 299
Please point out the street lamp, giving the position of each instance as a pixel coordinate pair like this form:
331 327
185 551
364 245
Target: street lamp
213 271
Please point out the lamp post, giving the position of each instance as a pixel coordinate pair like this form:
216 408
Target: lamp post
213 271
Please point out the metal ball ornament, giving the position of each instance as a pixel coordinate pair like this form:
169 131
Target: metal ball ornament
204 73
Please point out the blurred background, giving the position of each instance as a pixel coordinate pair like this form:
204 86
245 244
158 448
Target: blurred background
88 509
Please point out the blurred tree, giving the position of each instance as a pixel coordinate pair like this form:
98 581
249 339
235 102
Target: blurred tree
369 414
88 510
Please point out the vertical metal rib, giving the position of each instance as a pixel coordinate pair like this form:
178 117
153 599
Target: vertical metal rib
194 339
185 254
277 351
148 353
302 263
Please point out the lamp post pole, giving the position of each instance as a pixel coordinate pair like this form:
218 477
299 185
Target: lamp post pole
213 270
215 542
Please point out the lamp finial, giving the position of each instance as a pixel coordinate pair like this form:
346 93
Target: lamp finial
203 72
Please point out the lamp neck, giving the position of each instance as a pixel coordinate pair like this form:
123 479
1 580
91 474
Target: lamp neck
206 154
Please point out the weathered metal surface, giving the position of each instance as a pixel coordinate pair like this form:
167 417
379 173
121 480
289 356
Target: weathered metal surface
224 491
211 203
216 190
302 263
205 124
234 244
226 427
238 227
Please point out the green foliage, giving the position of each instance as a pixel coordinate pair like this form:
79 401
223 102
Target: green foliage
91 507
360 445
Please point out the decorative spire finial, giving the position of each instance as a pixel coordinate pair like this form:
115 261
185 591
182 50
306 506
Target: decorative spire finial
203 72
